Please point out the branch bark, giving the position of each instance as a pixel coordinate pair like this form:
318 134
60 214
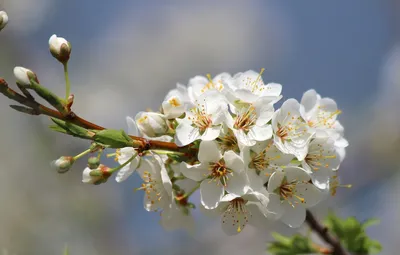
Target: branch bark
323 232
38 109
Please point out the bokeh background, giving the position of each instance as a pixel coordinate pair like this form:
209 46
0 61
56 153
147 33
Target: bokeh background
128 54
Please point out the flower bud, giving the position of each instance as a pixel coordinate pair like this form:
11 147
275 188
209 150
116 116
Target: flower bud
151 124
96 176
60 48
63 164
93 162
24 75
3 19
173 107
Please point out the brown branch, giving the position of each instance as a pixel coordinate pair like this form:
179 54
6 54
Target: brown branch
323 232
37 108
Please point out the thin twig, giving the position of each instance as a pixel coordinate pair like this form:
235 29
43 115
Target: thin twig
141 143
323 232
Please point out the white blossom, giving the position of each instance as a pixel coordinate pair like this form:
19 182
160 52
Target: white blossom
173 107
199 85
204 121
156 184
247 126
321 161
151 124
262 160
238 211
249 87
218 174
291 132
124 154
291 192
321 115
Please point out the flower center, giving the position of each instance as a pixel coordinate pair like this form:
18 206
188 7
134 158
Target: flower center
259 162
287 191
323 118
315 159
212 85
245 119
201 120
151 187
255 85
237 213
218 171
291 127
228 142
334 184
174 102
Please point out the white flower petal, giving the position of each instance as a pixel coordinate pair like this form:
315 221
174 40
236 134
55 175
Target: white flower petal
186 134
293 216
275 181
209 152
128 170
309 100
211 193
310 193
275 207
234 221
296 174
246 95
243 138
260 133
194 172
132 128
211 133
237 184
234 161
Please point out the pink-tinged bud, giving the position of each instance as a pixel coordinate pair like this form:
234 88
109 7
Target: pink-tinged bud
3 19
96 176
60 48
63 164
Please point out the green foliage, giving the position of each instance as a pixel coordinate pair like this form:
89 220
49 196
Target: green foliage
352 234
66 250
113 138
296 244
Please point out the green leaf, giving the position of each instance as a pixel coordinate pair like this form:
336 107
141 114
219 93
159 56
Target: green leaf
50 97
113 138
71 129
294 245
352 235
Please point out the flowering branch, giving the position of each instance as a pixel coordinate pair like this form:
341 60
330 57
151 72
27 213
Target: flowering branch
35 108
323 232
219 135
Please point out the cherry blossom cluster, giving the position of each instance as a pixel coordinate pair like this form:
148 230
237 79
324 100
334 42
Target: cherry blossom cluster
254 161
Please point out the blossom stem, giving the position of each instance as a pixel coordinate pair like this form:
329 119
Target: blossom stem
67 82
323 232
124 164
38 109
188 194
80 155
